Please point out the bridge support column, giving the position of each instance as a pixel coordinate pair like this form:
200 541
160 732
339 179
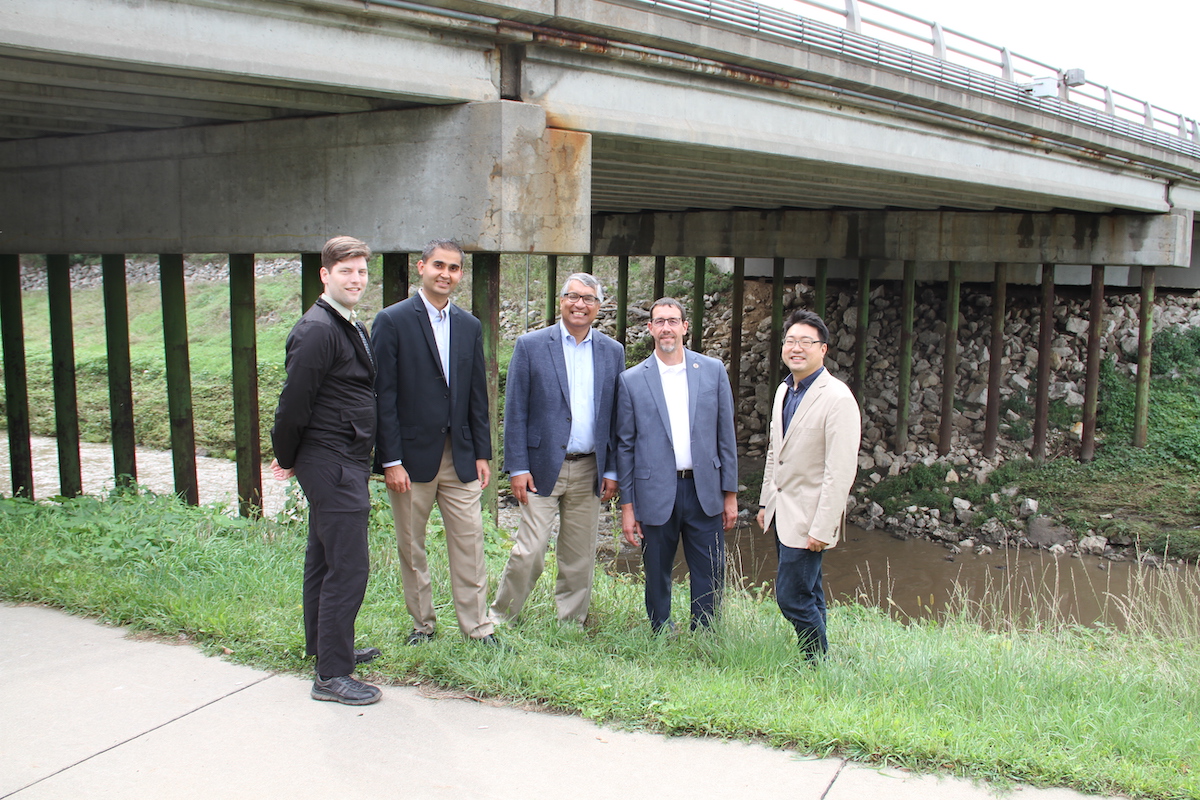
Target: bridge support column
904 394
310 280
995 356
1041 407
861 326
660 277
179 376
819 283
395 278
1141 405
485 304
62 349
16 382
245 384
950 359
1091 387
735 329
622 297
552 288
120 379
698 304
777 281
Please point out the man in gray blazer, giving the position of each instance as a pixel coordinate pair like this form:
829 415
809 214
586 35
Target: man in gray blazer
677 465
559 449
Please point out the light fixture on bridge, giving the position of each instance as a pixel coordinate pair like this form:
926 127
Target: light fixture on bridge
1051 85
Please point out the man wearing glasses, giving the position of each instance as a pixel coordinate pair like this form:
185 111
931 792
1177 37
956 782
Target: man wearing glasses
812 460
677 466
559 449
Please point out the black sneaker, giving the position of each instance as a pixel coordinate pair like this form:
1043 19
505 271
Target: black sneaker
346 690
366 654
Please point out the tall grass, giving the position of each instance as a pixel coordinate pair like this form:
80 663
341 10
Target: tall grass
1097 709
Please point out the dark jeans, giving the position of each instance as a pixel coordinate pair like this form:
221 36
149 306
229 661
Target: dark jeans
801 597
703 548
336 563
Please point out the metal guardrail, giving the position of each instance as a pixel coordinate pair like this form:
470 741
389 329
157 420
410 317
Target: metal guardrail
890 37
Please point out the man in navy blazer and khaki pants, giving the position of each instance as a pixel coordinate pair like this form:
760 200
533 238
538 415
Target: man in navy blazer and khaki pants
558 447
677 465
435 439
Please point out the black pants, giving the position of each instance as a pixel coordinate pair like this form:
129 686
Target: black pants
336 563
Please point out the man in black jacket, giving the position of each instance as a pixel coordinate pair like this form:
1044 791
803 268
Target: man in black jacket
324 433
435 439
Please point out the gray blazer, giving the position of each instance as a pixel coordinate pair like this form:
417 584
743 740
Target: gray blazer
537 406
645 453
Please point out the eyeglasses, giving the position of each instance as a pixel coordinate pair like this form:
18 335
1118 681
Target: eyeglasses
805 343
670 322
575 297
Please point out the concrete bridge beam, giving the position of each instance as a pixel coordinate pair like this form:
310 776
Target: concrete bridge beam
490 174
1160 240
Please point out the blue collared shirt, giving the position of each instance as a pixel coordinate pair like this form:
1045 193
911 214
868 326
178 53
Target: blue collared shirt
795 394
581 385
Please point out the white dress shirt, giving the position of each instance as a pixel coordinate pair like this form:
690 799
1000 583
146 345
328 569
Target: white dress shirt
439 320
675 390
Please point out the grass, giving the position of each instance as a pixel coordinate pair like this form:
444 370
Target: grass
1097 710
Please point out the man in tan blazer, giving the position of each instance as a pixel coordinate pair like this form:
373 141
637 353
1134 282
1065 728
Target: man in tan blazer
812 460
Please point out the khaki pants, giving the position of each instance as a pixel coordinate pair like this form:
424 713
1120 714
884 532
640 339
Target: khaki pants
574 499
462 517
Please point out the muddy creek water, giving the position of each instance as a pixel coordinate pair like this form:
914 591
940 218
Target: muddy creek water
921 579
914 578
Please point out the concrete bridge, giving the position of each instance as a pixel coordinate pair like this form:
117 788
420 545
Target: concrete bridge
707 128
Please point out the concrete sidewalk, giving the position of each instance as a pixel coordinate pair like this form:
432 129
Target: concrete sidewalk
88 712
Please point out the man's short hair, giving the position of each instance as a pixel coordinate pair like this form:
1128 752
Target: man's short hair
588 280
341 248
442 244
802 316
668 301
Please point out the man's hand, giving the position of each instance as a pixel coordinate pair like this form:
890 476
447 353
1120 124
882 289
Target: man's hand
761 519
730 513
816 545
485 472
609 490
630 526
396 478
522 485
279 472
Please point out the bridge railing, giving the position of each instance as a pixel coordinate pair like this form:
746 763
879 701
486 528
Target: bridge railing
872 31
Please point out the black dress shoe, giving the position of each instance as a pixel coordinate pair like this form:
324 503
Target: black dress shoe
346 690
366 654
419 637
492 641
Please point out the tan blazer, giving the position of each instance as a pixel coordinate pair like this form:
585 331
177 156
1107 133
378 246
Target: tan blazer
810 471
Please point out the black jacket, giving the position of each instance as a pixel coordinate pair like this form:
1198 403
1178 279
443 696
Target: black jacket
416 409
327 405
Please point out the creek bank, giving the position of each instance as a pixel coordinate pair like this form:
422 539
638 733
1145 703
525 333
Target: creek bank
1001 516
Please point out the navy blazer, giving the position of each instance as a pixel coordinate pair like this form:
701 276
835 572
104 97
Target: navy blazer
416 407
645 453
537 408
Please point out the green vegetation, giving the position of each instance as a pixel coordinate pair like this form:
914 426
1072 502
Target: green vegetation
1149 497
1098 710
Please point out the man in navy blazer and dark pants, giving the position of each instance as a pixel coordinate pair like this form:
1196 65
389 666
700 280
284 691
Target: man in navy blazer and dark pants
558 447
323 434
677 465
435 438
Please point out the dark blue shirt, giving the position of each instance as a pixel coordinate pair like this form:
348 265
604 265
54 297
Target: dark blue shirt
795 394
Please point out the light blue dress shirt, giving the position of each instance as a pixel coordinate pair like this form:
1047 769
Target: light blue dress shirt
439 320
